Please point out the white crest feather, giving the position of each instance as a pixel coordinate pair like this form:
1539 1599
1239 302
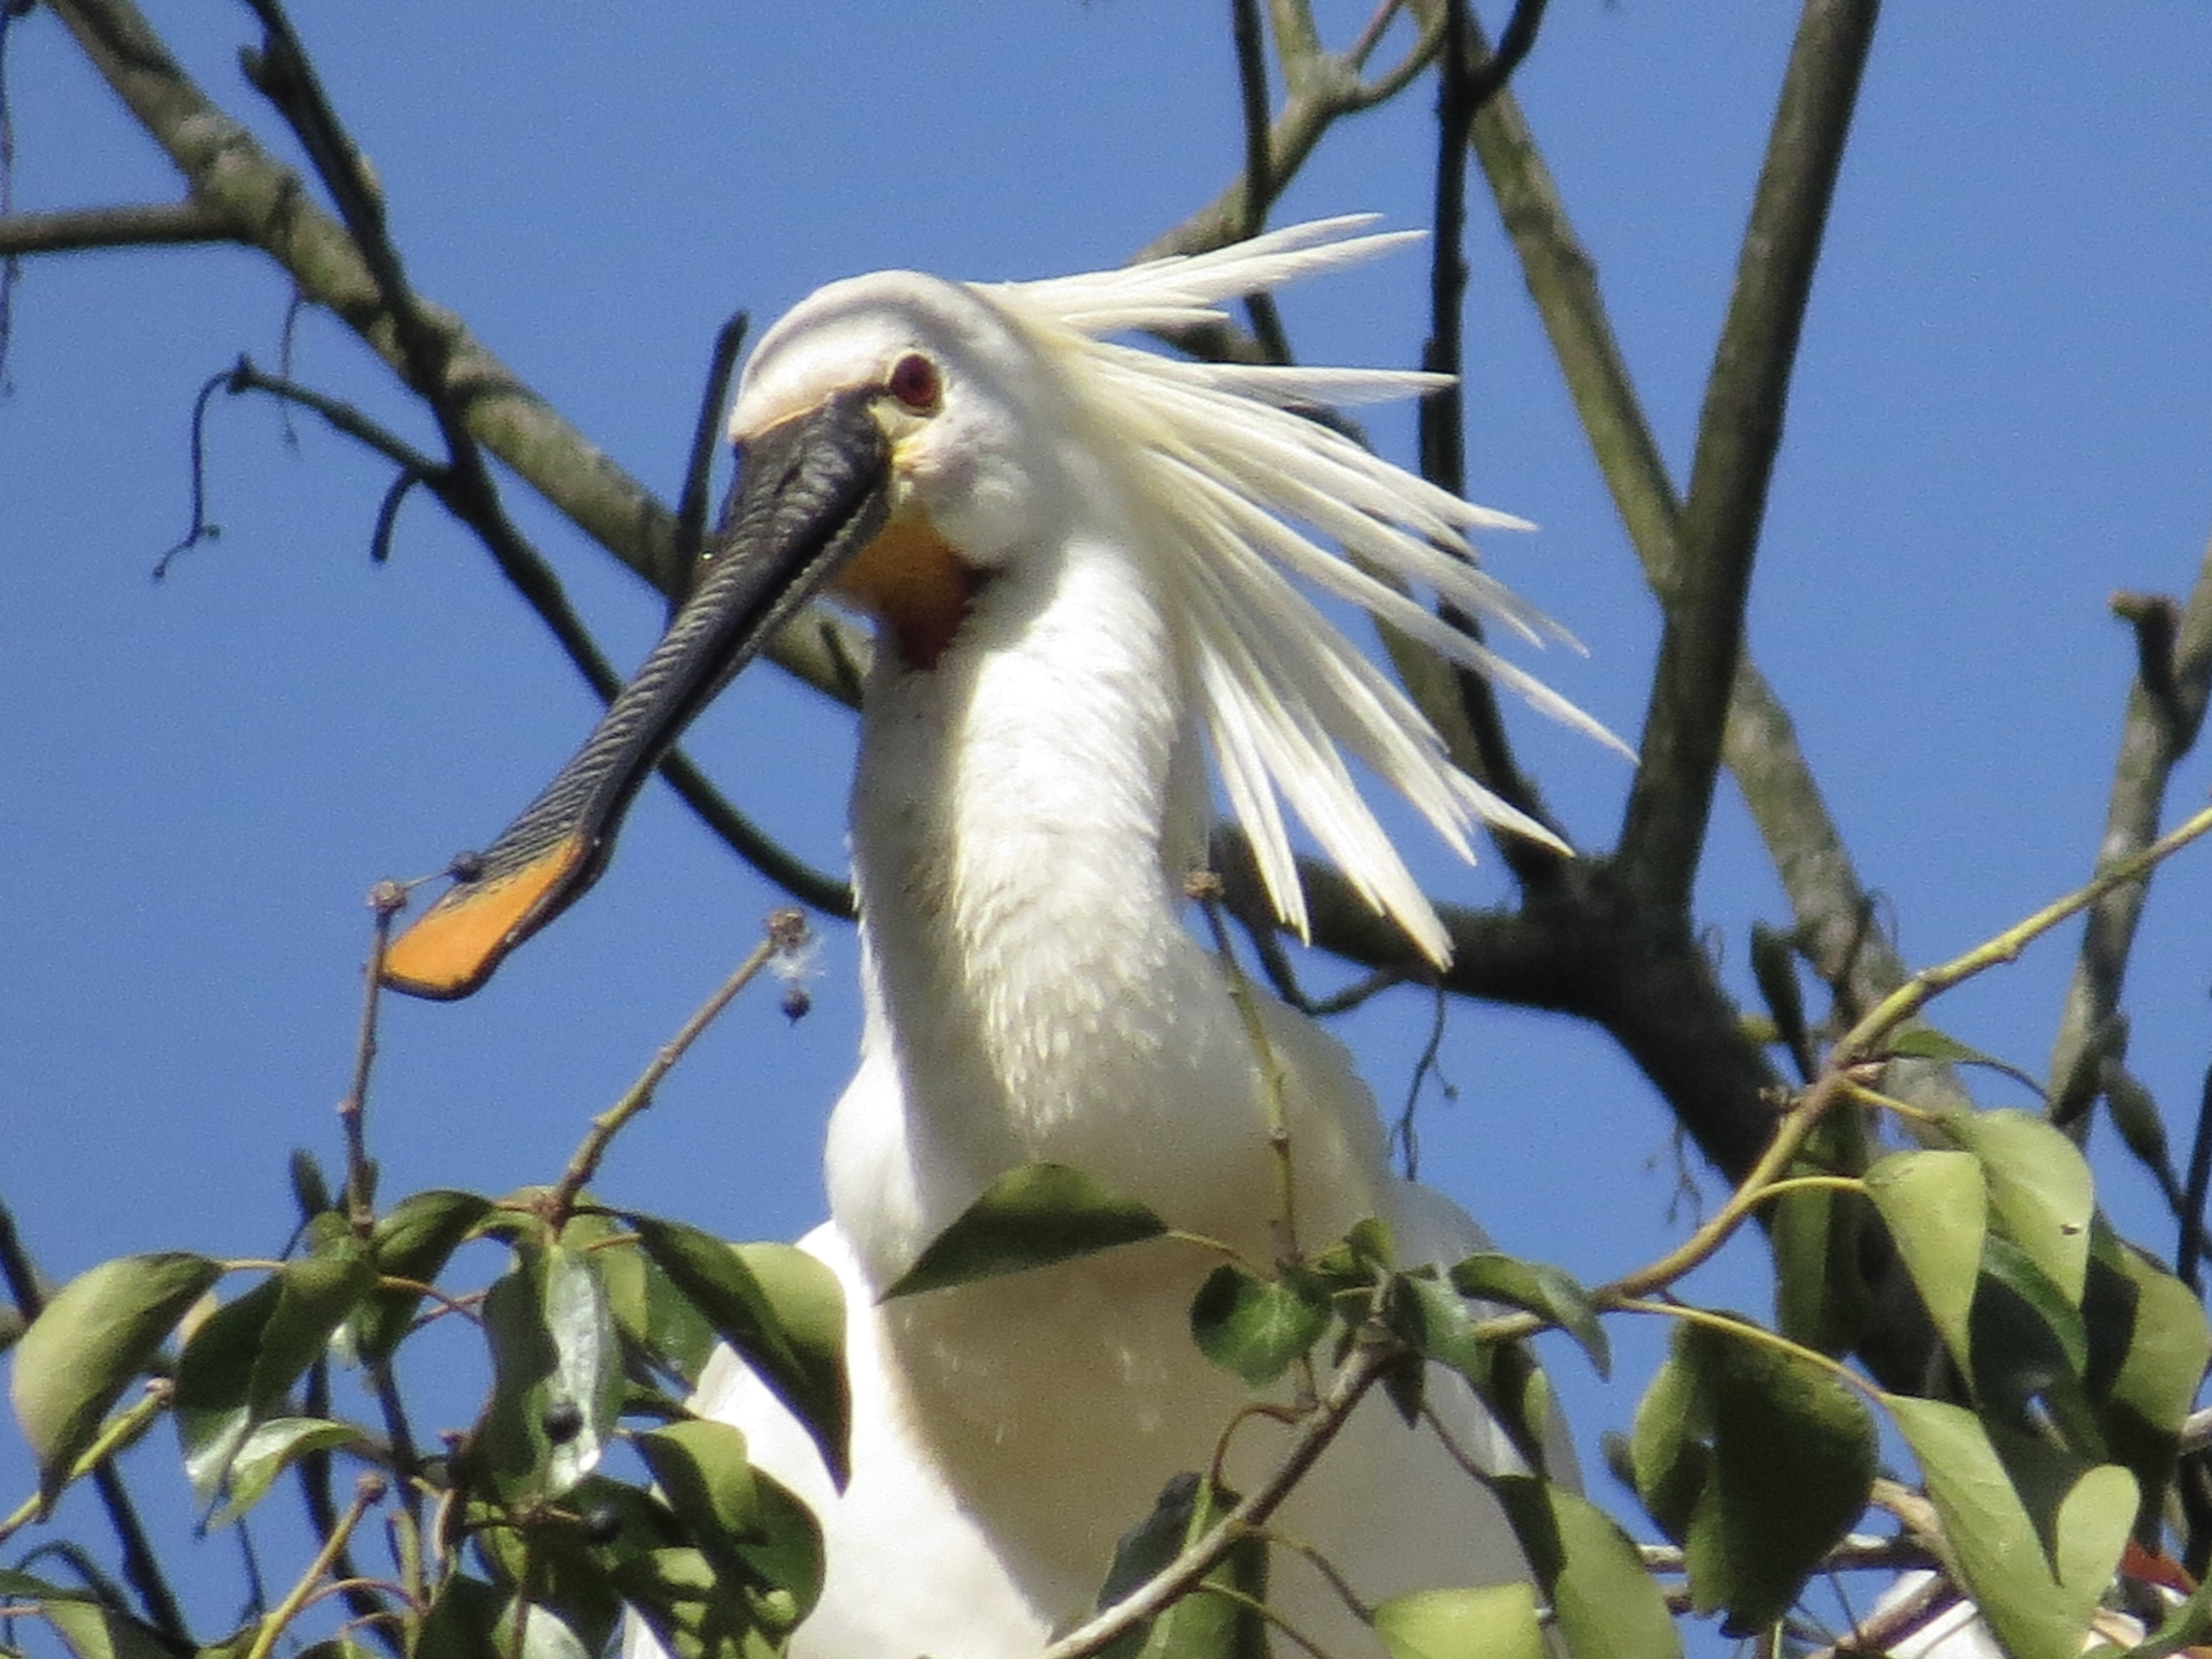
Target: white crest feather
1231 474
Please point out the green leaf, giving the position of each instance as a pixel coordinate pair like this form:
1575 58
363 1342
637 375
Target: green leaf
1143 1552
546 1633
1926 1042
705 1478
784 1550
93 1631
413 1243
2134 1111
2041 1195
2172 1346
89 1344
241 1365
609 1541
657 1319
1537 1287
1669 1448
696 1612
315 1294
1353 1263
2030 1344
2150 1345
1792 1465
1028 1217
268 1450
1256 1328
1499 1622
214 1400
2037 1600
556 1370
1440 1324
780 1308
2066 1336
1935 1206
1604 1601
310 1190
462 1621
1201 1625
1818 1239
88 1626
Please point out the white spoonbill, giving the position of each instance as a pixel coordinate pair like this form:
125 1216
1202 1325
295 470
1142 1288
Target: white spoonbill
1077 554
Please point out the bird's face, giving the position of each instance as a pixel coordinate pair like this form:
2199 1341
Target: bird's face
890 434
962 401
961 405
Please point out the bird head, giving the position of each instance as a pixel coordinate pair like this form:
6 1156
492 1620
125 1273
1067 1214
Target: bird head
903 438
966 407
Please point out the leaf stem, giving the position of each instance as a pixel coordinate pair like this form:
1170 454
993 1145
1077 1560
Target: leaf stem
1206 887
121 1431
1754 1334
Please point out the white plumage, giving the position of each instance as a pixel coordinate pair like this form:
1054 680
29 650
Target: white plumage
1030 794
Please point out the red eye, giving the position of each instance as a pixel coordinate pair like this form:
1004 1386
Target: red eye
914 382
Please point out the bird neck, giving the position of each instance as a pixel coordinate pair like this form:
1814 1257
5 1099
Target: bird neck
1024 815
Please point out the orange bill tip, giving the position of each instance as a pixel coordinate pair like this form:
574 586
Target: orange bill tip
454 947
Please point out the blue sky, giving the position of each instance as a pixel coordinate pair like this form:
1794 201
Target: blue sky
2004 413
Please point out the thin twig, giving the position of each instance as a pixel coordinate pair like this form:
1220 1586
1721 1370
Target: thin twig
1322 88
315 1470
1259 172
1409 1143
368 1491
1863 1045
285 75
1371 1357
117 1434
199 530
1880 1023
385 899
699 463
387 516
1467 76
786 931
398 1432
1489 78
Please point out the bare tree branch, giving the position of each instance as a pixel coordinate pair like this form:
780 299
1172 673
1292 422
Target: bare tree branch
2165 713
150 224
1828 899
1739 432
1321 87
